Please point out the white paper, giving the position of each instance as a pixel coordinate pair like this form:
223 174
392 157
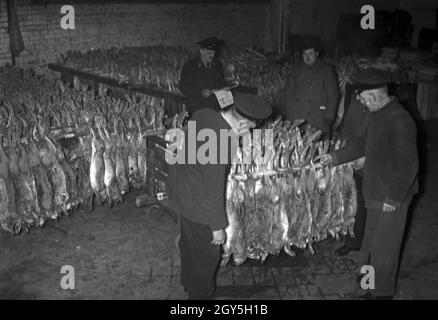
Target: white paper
224 97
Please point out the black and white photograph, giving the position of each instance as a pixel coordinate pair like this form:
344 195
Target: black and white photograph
225 150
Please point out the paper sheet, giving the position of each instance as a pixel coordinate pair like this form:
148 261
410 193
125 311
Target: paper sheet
224 97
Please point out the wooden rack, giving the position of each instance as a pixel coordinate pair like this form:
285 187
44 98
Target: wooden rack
156 144
156 163
125 85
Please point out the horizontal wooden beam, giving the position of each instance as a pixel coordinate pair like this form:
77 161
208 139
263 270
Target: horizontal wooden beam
148 90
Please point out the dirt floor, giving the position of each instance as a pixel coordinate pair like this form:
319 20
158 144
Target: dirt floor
129 253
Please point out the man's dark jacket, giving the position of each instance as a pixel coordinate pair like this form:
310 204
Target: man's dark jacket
195 77
197 191
390 147
312 94
354 126
355 123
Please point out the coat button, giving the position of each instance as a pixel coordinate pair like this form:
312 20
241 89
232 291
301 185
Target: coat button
308 101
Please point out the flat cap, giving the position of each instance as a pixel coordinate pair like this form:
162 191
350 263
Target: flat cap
310 43
211 43
370 79
251 106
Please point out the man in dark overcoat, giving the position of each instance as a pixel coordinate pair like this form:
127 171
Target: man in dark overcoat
197 190
201 75
354 127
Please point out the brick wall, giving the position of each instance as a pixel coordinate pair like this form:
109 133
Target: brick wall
4 39
320 18
118 25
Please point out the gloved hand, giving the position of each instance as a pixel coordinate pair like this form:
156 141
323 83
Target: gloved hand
327 132
327 128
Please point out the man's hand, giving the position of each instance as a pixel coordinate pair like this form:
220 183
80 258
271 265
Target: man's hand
327 132
358 164
324 159
243 127
206 93
388 207
218 237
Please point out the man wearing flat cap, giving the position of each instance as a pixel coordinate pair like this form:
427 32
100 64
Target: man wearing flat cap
312 90
201 75
389 177
354 127
197 191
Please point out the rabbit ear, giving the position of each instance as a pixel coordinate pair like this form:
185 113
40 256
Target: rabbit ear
93 132
124 128
129 99
5 114
34 134
10 138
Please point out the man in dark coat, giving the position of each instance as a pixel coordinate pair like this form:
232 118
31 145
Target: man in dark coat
201 75
390 178
197 190
312 91
354 127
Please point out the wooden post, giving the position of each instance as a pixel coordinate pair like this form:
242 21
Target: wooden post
286 14
280 23
275 24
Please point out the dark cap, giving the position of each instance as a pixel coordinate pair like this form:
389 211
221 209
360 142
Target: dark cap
211 43
251 106
310 43
369 80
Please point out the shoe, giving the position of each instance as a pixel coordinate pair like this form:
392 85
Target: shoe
369 296
344 250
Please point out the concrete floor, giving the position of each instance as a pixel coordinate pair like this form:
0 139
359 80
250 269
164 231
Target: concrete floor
129 253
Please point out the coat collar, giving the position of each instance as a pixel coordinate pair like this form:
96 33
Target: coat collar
200 64
317 66
390 105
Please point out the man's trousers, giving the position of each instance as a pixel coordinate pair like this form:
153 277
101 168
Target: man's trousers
383 237
199 259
